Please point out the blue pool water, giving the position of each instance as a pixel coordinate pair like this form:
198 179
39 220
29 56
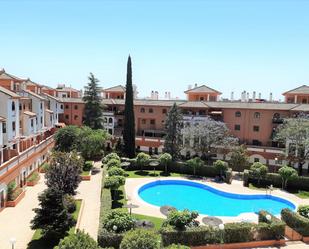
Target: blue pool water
207 200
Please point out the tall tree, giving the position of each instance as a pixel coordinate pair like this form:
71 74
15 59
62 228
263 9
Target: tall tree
93 105
294 132
52 217
129 120
172 143
207 136
63 174
239 158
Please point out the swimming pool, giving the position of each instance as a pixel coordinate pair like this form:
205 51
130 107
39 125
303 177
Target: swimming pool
183 194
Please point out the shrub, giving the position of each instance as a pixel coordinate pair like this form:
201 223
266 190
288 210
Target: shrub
238 232
221 167
259 171
245 178
181 219
88 165
229 176
192 236
177 246
165 159
297 222
79 240
303 210
140 239
34 177
11 196
113 163
115 171
142 159
45 166
110 156
195 163
287 174
270 229
109 239
118 221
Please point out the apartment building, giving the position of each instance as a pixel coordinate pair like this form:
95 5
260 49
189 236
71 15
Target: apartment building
29 114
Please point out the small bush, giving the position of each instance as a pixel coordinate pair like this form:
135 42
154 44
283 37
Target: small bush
34 177
303 210
229 176
140 239
181 219
118 221
245 178
110 156
270 229
109 239
113 163
238 232
10 191
297 222
142 160
115 171
45 166
221 167
79 240
88 165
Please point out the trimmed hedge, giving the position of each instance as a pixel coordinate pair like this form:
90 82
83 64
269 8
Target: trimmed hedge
109 239
300 183
297 222
273 229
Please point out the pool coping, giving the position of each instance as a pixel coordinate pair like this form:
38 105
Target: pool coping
133 185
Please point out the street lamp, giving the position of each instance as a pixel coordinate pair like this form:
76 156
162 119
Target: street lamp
268 217
115 228
276 162
13 242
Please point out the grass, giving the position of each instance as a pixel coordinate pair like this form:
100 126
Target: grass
38 242
149 173
156 221
85 173
254 187
303 194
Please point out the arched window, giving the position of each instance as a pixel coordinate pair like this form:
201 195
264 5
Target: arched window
142 109
257 115
105 120
238 114
13 106
110 120
150 110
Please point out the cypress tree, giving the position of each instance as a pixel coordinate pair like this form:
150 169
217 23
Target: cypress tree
93 114
129 121
172 143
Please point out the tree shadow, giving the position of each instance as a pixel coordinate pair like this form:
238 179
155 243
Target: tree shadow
142 173
118 196
165 174
153 174
42 243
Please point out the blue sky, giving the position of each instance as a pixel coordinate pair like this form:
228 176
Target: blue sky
228 45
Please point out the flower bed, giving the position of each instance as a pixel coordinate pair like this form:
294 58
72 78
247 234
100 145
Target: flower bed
86 176
33 179
18 195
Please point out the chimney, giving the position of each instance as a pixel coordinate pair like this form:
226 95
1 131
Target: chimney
152 95
189 87
169 95
243 96
253 96
195 85
248 97
156 95
260 95
232 95
271 97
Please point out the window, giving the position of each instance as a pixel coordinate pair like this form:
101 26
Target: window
41 106
276 115
20 107
238 114
31 122
41 120
75 107
142 109
66 116
75 117
256 160
66 106
24 106
13 126
256 142
257 115
256 128
150 110
201 98
143 121
152 121
237 127
110 120
4 127
61 107
13 106
164 111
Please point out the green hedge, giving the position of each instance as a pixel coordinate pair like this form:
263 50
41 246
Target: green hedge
301 183
109 239
297 222
195 236
273 229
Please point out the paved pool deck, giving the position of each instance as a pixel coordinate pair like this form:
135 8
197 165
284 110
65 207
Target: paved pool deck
133 184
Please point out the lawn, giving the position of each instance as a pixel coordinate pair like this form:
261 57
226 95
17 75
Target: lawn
303 194
38 242
149 173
